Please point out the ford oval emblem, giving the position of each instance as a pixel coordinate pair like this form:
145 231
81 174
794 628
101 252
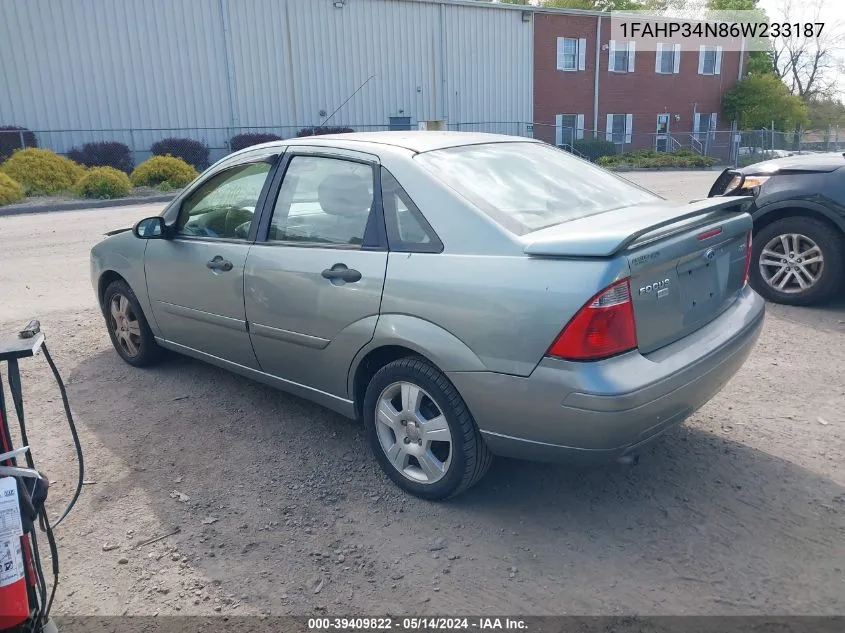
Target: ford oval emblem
709 254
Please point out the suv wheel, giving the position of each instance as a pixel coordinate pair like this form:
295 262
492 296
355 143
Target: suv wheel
421 431
797 261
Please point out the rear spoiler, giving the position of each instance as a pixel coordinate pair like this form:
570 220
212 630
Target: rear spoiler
605 236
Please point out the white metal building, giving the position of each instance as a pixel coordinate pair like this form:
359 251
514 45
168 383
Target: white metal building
138 70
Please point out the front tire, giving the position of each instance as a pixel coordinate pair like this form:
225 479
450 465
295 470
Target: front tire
798 261
421 431
128 328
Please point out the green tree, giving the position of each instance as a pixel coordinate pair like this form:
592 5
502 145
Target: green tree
758 100
826 112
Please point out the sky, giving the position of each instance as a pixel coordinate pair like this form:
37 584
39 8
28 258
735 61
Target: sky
831 12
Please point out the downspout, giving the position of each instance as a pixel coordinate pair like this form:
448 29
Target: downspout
230 69
443 83
596 80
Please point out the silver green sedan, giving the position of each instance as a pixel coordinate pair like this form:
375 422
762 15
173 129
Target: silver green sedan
464 295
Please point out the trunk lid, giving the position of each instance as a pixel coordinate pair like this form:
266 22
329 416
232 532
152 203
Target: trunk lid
687 262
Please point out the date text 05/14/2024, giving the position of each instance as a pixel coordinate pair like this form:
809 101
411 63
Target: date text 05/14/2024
416 623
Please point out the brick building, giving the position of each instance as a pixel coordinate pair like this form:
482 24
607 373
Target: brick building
662 99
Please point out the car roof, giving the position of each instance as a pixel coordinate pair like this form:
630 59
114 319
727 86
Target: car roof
415 141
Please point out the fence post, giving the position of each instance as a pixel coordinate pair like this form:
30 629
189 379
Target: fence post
132 143
23 143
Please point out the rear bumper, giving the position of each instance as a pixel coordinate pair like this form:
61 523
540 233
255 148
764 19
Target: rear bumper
587 412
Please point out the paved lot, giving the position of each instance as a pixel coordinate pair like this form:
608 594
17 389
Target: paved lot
742 510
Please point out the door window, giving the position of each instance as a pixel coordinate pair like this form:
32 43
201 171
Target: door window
224 205
323 201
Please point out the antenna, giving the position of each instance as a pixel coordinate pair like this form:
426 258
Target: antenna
347 101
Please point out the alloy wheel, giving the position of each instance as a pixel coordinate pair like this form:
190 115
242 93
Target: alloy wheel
413 432
125 325
791 263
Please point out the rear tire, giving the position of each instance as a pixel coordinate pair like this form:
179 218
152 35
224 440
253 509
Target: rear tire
421 432
778 268
128 328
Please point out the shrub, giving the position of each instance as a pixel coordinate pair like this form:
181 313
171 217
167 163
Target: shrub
191 151
158 170
10 140
248 140
317 131
103 182
594 148
10 191
104 154
651 159
40 171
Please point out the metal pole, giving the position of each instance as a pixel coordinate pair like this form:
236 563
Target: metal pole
23 144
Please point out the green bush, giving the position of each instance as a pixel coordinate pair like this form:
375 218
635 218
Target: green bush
650 159
158 170
594 148
10 191
41 172
103 182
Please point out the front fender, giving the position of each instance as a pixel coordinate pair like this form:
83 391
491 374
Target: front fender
123 255
441 347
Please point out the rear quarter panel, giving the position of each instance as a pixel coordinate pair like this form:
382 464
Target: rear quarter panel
507 310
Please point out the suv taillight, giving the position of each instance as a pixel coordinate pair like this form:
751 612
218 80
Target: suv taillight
604 327
748 244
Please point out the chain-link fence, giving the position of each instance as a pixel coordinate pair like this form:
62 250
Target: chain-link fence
202 146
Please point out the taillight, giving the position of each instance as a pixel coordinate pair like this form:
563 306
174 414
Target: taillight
603 327
748 243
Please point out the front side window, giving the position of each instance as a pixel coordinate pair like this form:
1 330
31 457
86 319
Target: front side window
529 186
323 201
224 205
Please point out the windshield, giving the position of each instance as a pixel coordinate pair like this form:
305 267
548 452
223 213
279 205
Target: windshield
529 186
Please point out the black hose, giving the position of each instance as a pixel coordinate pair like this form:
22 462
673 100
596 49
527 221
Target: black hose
73 433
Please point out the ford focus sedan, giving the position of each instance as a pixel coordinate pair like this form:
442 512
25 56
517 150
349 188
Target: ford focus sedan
464 295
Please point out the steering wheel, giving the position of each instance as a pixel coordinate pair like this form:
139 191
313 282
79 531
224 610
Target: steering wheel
242 231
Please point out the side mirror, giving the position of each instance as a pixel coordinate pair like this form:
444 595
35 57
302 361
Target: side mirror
150 228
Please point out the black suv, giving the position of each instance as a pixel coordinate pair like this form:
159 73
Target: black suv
798 208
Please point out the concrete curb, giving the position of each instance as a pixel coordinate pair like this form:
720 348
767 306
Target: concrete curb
76 205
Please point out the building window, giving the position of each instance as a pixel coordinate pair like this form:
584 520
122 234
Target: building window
568 128
709 60
704 126
619 127
400 123
621 57
571 53
667 60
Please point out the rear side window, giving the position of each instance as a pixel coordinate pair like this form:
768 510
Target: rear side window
526 187
407 229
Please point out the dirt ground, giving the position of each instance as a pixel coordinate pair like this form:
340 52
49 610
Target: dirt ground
282 510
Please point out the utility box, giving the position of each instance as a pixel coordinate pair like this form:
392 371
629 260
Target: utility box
438 125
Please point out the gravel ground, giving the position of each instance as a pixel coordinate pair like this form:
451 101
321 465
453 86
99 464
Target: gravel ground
281 510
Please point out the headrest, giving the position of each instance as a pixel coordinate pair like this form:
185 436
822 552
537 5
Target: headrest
346 194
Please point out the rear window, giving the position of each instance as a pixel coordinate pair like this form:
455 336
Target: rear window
529 186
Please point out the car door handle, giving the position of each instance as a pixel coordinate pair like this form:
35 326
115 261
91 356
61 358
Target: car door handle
342 273
218 263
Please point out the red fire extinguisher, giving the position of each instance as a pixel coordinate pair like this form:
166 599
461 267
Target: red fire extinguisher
14 599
